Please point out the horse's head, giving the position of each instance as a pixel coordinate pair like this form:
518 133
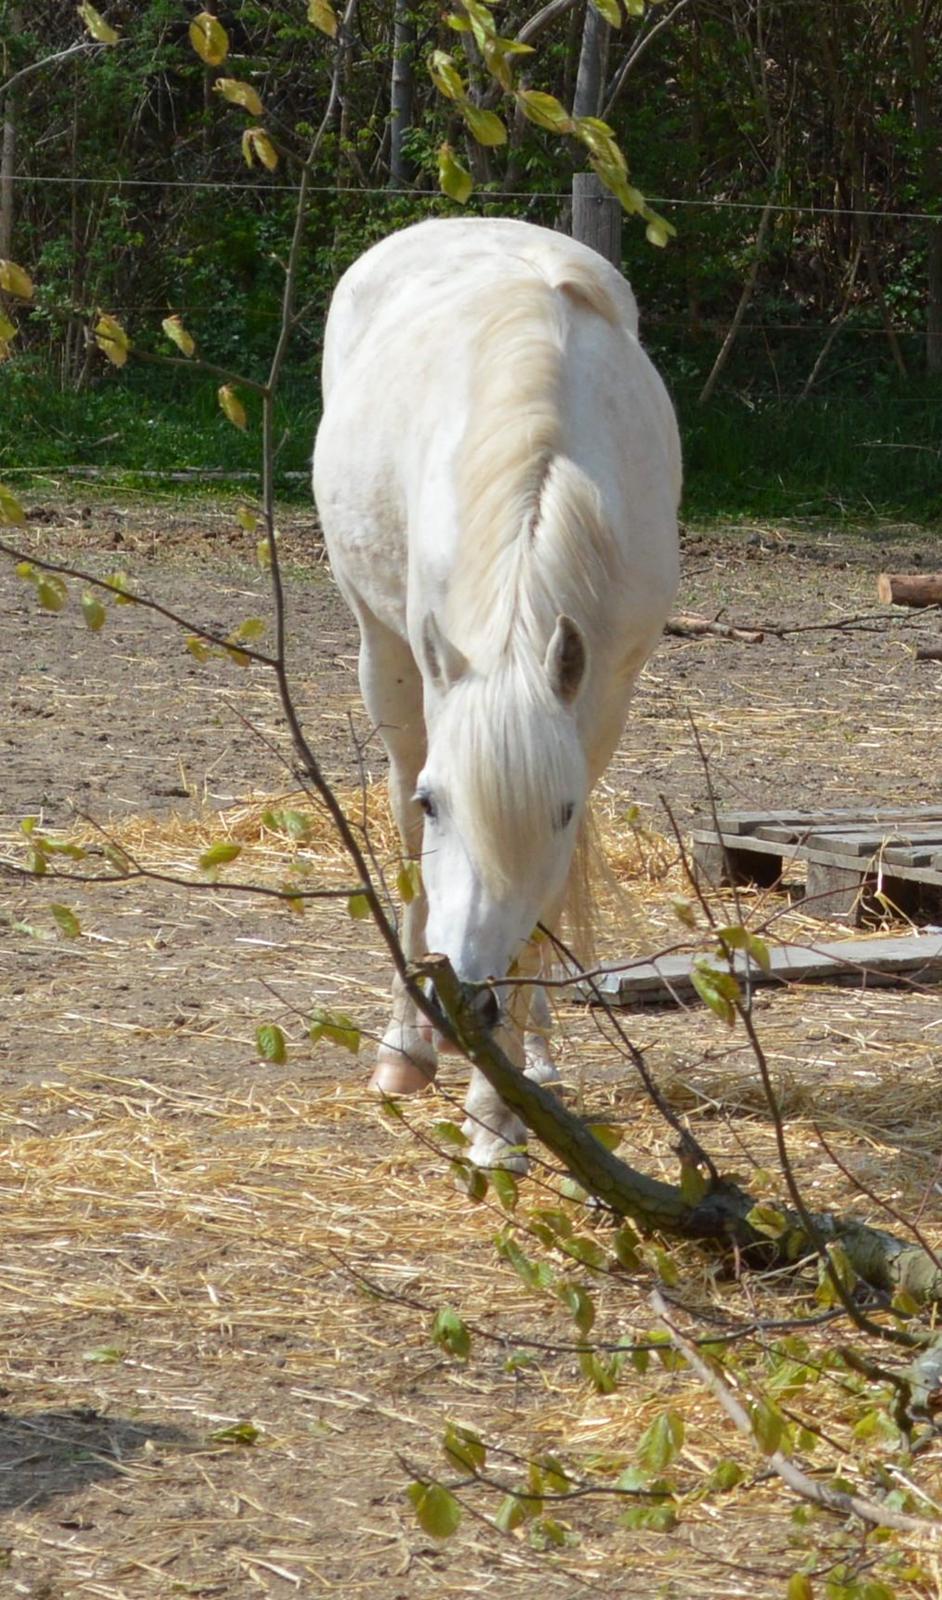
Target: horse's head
503 791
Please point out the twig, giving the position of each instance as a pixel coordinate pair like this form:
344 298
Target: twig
820 1494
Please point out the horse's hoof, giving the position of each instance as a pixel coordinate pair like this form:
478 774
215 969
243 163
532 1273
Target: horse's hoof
395 1074
497 1154
488 1150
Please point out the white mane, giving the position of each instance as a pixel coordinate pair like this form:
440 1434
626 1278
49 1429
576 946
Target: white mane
533 538
534 541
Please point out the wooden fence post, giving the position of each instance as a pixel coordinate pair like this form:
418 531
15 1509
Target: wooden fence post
596 216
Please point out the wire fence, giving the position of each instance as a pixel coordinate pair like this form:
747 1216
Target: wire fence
711 202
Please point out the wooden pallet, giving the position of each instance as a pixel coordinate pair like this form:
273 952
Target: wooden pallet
862 963
850 855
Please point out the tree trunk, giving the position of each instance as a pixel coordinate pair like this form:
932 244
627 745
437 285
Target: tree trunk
401 99
8 151
928 135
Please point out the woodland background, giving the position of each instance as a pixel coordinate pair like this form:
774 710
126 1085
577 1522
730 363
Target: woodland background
794 145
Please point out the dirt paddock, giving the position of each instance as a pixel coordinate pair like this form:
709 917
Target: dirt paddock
218 1277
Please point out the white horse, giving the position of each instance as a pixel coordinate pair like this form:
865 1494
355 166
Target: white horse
497 473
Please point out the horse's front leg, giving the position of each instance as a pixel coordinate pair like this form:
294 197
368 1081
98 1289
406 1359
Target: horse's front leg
392 691
496 1134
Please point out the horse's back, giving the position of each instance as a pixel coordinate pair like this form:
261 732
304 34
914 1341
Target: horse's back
430 268
416 326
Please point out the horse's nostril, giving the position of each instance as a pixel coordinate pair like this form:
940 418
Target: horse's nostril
487 1009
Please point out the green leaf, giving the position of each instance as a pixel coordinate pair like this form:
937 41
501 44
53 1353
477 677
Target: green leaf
610 10
111 339
659 232
13 280
358 907
684 912
177 334
12 512
718 990
93 611
724 1477
240 94
625 1244
67 921
485 126
232 406
464 1448
409 881
768 1425
450 1333
209 39
661 1443
335 1026
104 1355
545 110
321 14
247 519
610 1138
693 1185
504 1185
739 938
445 76
550 1224
658 1519
244 1433
453 179
536 1275
449 1133
471 1180
586 1250
437 1510
270 1043
198 648
597 1372
768 1220
219 855
510 1513
51 591
118 584
799 1587
579 1303
666 1269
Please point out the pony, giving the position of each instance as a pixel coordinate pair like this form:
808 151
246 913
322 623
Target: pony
497 474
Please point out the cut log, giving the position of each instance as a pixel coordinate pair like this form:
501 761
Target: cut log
686 625
930 651
910 588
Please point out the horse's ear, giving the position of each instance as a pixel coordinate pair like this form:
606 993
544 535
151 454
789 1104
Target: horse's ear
443 662
566 660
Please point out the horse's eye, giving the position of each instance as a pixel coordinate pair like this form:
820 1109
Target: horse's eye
427 804
565 815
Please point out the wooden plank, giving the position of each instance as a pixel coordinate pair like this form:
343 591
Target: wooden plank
862 962
737 822
913 855
867 841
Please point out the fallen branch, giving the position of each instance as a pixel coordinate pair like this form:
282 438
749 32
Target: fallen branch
884 1262
931 651
820 1494
687 625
